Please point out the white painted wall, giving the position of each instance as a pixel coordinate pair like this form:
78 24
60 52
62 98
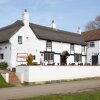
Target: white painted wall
5 48
5 76
92 51
49 73
57 59
30 45
35 46
20 77
24 71
59 47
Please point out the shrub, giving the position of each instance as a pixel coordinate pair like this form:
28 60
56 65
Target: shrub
3 65
30 59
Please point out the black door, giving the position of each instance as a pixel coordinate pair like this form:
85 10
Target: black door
63 60
95 60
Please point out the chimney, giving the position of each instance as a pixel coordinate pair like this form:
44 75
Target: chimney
53 24
26 17
78 30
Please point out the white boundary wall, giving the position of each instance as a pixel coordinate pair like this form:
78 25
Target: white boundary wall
5 76
49 73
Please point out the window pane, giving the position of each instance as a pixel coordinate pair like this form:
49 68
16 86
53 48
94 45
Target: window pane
33 57
92 44
1 56
72 47
52 56
49 44
48 56
19 39
77 57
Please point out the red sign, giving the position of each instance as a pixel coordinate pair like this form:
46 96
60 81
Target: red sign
21 57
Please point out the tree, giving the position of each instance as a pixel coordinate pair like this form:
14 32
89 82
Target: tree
30 59
93 24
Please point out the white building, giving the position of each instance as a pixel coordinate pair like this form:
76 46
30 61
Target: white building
48 45
93 46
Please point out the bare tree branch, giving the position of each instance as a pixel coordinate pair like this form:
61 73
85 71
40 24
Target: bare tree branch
93 24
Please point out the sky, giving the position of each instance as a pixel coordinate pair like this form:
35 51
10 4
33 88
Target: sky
68 14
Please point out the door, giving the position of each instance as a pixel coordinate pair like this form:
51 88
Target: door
63 60
95 60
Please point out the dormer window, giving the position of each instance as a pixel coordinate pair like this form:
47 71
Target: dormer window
49 45
19 39
72 47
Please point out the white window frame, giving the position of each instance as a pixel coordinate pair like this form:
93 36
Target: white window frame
92 44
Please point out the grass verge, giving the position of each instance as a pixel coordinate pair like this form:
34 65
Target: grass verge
3 84
93 95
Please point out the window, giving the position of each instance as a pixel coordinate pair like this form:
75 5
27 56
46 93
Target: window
1 56
48 56
72 47
49 45
19 39
33 57
77 57
92 44
83 48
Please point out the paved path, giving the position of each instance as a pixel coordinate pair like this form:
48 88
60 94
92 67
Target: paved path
57 88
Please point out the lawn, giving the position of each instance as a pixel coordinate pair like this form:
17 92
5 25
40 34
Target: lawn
95 95
3 84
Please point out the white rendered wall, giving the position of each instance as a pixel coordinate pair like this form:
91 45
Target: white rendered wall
92 51
30 45
59 47
5 76
56 59
49 73
5 49
24 71
78 49
70 59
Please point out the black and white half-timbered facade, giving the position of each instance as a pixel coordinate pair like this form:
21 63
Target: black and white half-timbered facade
48 45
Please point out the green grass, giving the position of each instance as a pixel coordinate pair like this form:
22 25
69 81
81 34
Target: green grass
95 95
3 84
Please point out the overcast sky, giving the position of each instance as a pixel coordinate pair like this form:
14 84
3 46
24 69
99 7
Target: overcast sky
68 14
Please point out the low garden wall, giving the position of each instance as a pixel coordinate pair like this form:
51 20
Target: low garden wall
50 73
5 76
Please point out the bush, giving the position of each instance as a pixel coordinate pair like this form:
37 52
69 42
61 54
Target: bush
3 65
30 59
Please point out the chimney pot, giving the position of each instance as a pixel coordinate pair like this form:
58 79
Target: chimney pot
78 30
53 24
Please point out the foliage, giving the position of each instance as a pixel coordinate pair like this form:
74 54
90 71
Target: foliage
30 59
3 65
3 84
93 24
95 95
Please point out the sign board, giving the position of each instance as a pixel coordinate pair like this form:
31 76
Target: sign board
21 57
